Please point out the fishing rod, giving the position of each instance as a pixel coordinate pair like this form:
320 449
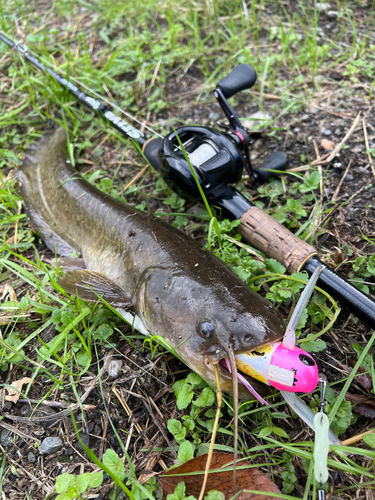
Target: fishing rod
228 152
218 159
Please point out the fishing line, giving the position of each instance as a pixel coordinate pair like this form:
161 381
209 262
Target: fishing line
24 50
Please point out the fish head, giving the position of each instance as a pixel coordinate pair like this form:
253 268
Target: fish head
239 325
206 316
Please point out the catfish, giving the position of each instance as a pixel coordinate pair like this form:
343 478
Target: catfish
156 276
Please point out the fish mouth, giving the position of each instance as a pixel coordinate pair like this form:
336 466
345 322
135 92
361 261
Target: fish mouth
223 369
222 366
217 356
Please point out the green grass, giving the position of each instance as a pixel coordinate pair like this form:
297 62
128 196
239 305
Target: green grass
160 60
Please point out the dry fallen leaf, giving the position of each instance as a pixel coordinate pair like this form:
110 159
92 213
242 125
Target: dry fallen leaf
362 404
14 394
327 145
365 379
366 409
249 478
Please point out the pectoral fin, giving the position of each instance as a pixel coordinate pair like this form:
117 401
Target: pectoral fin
70 264
88 285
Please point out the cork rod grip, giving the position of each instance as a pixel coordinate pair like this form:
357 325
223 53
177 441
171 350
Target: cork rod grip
277 242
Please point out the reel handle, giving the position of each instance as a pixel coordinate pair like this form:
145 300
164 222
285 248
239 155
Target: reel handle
242 77
274 162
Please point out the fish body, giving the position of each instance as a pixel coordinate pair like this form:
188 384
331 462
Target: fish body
144 266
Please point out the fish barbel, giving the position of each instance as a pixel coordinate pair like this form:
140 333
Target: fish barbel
144 266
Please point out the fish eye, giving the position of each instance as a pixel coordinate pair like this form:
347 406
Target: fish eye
206 330
306 360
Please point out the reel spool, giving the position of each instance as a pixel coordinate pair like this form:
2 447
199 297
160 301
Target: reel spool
212 154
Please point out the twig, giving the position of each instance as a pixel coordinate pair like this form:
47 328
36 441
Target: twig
337 190
268 96
55 404
328 111
330 156
16 463
16 106
161 429
15 237
316 150
356 438
319 169
14 430
107 91
72 408
126 407
134 180
368 147
355 194
339 146
74 448
144 369
302 168
219 396
105 430
338 203
153 79
101 143
127 444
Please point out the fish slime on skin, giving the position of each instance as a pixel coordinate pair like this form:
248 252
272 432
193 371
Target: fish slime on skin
144 266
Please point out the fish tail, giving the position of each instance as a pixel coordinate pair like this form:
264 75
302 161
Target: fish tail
28 174
36 168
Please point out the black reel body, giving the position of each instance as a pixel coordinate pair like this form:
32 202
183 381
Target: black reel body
216 160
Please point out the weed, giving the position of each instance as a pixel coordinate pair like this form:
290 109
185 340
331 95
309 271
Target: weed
193 424
72 487
369 439
289 474
343 417
363 267
151 58
179 493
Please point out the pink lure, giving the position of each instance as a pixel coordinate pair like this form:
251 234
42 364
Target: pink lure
300 367
286 369
282 364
